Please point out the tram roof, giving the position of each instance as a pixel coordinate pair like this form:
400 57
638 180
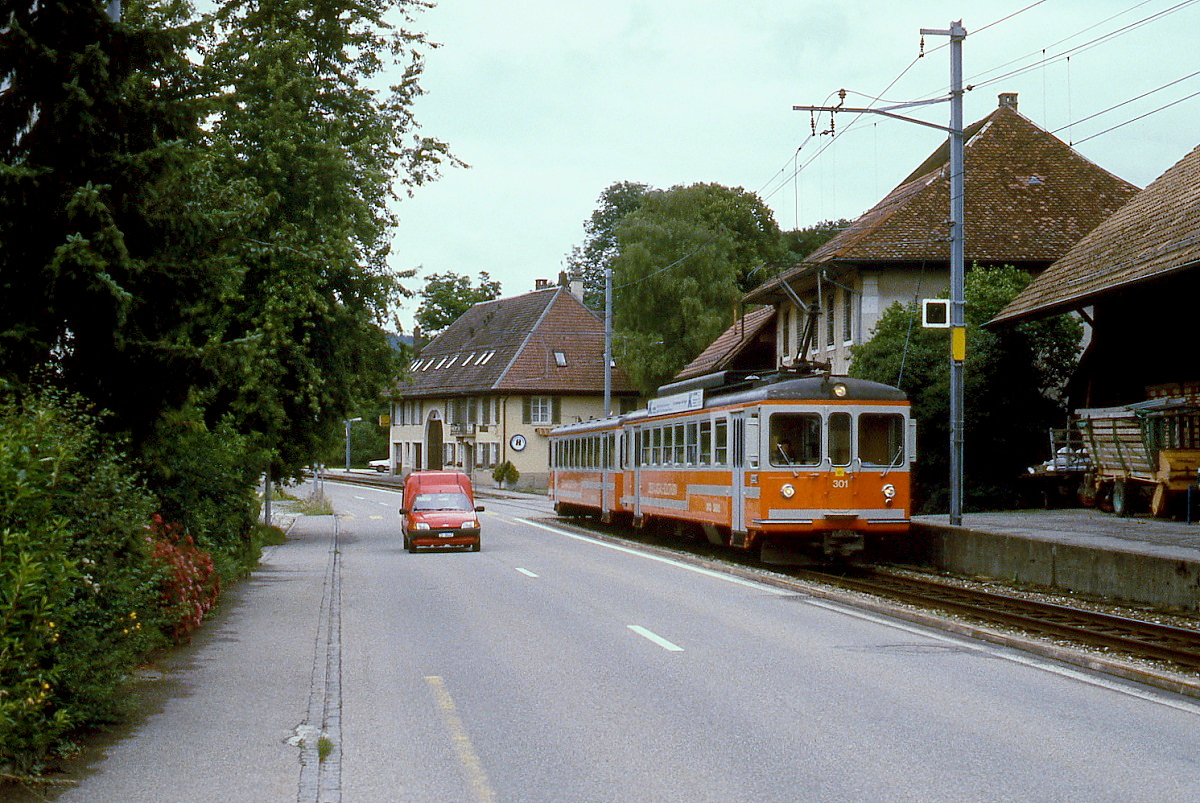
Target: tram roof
756 388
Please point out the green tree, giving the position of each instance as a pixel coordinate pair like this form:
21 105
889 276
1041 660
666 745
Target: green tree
686 257
446 296
106 230
299 123
600 245
1014 379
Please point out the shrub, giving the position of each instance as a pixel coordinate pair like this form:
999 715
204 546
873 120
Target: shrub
189 581
78 595
506 473
206 480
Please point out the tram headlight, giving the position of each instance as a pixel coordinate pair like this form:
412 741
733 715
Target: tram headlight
787 490
839 390
889 493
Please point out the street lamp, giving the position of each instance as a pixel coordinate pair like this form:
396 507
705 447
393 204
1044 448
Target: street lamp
349 421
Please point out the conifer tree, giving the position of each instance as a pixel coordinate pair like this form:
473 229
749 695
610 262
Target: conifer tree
103 239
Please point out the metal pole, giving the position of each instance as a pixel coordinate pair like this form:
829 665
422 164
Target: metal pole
349 421
608 312
958 331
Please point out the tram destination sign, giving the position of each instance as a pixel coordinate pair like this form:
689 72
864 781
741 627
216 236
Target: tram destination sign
677 403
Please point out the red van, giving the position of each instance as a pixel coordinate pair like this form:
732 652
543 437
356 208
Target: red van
439 511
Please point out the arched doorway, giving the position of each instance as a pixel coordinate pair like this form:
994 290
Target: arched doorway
433 444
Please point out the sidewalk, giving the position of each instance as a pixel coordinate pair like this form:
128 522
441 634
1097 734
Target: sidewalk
217 715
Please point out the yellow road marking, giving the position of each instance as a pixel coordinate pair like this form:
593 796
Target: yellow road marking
462 743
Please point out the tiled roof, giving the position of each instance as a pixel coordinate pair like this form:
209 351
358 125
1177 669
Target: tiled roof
1155 234
1029 198
508 346
730 343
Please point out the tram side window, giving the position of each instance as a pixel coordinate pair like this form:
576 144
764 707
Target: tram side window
691 444
721 438
706 443
642 447
795 439
656 448
839 439
881 439
679 444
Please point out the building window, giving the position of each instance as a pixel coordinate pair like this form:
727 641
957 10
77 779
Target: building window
540 410
786 324
847 316
830 327
560 359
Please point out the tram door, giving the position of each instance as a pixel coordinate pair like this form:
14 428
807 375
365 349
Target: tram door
841 491
737 462
610 451
635 461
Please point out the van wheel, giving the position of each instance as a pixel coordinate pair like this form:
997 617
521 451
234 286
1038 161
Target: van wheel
475 547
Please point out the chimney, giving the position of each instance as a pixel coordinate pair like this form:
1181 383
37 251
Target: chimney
541 284
577 286
418 341
1008 100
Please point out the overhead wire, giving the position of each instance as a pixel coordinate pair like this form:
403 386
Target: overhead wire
1085 46
779 180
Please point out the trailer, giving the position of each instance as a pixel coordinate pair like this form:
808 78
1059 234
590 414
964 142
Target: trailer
1149 451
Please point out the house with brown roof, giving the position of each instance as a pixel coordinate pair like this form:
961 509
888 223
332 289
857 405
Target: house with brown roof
489 388
1136 279
1029 198
747 345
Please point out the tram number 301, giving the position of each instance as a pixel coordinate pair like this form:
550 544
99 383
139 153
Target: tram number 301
841 483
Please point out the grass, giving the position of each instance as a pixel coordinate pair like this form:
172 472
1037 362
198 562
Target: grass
324 747
315 504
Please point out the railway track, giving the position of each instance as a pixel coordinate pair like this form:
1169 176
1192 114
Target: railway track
1177 646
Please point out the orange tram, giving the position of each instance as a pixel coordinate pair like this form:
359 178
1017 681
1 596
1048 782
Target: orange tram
800 466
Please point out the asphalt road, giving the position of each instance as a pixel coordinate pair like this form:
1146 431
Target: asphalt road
551 667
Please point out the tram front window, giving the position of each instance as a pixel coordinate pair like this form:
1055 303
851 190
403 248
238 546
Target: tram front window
795 439
881 439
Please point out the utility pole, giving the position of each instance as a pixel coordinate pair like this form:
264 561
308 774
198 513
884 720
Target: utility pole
958 331
349 421
608 313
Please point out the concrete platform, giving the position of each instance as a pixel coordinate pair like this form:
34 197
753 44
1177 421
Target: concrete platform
1139 560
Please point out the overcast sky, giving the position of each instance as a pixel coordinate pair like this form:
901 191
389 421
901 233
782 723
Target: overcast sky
552 101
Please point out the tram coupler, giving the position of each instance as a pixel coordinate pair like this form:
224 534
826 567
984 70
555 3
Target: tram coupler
843 544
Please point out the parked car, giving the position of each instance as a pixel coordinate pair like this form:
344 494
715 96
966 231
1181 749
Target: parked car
439 511
381 465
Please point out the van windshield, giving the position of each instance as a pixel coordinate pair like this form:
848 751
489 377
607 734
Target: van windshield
442 501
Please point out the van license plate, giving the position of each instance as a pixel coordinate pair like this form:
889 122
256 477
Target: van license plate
445 535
